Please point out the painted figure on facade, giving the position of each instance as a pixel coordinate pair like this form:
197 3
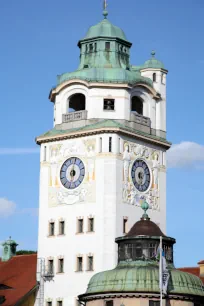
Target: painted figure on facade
126 164
90 161
155 169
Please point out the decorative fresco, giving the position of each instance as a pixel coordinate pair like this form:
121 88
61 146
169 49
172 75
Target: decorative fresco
72 172
141 166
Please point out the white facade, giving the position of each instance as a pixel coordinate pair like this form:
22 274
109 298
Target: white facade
152 108
106 194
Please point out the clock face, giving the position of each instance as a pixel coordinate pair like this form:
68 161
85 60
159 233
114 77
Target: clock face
140 174
72 173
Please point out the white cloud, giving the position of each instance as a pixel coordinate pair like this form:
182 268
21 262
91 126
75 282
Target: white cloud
186 154
18 151
7 208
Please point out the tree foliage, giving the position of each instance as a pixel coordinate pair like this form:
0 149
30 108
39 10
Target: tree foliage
25 252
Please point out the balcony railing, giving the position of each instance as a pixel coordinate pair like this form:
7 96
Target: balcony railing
140 119
74 116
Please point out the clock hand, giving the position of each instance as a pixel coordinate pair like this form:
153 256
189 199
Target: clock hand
72 173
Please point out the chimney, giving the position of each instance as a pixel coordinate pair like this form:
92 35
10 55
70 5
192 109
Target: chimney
201 266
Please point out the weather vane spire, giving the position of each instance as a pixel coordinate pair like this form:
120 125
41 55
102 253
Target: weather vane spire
105 12
105 5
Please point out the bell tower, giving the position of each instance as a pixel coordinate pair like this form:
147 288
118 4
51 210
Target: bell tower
9 249
104 157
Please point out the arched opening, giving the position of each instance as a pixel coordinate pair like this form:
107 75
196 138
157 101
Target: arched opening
137 105
77 103
154 77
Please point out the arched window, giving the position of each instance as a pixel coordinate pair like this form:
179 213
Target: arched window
137 105
77 103
154 77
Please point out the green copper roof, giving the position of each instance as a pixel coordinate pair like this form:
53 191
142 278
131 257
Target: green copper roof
105 75
105 29
143 277
101 124
153 62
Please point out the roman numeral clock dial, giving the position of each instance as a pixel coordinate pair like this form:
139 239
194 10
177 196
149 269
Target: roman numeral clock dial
72 173
140 174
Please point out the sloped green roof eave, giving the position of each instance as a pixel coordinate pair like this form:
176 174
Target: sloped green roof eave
143 277
99 125
105 75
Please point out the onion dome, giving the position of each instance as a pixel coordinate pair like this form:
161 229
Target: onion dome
153 62
137 271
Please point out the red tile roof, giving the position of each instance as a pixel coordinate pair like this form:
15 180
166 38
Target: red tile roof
19 273
201 262
193 270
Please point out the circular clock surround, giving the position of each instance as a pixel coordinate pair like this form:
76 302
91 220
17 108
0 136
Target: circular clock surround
141 176
72 173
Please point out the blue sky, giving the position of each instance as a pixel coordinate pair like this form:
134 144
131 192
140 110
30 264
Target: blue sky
39 40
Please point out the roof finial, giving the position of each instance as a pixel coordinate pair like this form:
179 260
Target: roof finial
153 53
145 207
105 12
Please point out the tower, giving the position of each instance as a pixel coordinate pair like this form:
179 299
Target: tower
9 249
103 158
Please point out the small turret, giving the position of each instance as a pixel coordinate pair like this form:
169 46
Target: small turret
9 249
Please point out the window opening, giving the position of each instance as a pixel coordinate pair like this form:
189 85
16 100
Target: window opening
49 303
110 144
80 225
100 145
59 303
95 47
109 104
125 226
51 266
154 303
154 77
90 47
77 102
109 303
45 153
107 45
61 265
79 264
137 105
91 225
51 229
90 263
61 227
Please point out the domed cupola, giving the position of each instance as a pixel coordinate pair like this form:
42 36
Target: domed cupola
104 46
153 63
137 272
105 57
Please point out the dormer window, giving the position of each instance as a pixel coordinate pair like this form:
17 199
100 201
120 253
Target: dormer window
154 77
107 45
109 105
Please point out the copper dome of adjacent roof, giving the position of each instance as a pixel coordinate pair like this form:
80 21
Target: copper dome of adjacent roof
145 227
